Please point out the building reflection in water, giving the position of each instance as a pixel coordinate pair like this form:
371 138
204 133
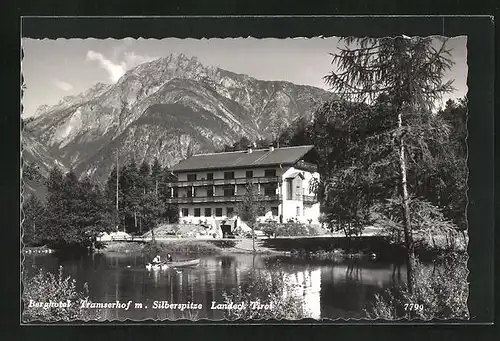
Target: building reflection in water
307 284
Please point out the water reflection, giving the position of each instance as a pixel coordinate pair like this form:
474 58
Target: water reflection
328 289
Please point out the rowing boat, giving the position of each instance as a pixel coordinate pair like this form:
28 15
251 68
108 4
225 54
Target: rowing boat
165 266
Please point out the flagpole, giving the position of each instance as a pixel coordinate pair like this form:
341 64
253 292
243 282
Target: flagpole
117 172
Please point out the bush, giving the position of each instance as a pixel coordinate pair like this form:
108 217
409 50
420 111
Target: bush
266 288
179 246
430 228
46 287
288 229
440 292
224 244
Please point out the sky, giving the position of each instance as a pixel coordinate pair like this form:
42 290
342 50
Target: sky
53 69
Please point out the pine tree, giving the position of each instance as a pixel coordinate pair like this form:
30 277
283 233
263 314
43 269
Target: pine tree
33 212
156 174
145 182
151 209
170 211
130 193
54 218
94 215
111 200
408 72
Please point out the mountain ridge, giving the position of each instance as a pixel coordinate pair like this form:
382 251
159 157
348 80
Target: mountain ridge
163 108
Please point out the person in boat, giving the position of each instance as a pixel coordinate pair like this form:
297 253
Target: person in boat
156 260
169 257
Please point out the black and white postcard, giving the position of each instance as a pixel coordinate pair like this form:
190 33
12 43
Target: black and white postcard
244 179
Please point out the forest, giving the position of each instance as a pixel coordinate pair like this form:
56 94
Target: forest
75 211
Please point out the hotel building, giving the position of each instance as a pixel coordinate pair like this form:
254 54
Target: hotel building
211 185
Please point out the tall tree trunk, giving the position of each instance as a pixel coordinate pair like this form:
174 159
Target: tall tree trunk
253 237
135 220
406 207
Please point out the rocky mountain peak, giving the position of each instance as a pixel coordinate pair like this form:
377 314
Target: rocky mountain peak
161 109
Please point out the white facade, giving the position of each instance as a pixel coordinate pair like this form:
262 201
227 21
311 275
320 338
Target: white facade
214 194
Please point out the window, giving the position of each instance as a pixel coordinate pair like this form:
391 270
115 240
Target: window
229 211
270 172
197 212
297 192
189 191
210 191
228 175
210 176
176 193
218 212
185 212
208 212
274 211
249 174
191 177
229 191
289 189
270 190
298 211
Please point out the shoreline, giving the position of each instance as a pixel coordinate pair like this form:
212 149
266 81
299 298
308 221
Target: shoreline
295 246
203 246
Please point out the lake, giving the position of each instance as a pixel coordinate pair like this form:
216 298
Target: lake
330 290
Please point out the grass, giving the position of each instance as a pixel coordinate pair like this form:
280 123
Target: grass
180 246
439 293
46 287
271 288
123 247
177 230
290 229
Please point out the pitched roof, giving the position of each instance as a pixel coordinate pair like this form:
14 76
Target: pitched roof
243 159
294 174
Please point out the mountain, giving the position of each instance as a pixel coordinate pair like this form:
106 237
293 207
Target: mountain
36 154
166 108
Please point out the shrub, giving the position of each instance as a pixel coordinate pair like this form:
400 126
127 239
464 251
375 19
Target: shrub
266 288
46 287
269 229
224 244
440 292
430 228
289 229
179 246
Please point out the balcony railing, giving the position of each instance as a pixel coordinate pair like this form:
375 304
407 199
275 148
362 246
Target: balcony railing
217 182
310 199
218 199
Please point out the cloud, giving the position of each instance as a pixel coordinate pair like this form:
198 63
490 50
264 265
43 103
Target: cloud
64 86
132 59
116 70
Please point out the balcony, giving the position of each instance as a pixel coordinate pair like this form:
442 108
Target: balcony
218 199
219 182
309 199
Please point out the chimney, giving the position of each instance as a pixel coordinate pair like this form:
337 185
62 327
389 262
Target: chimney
249 149
271 147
